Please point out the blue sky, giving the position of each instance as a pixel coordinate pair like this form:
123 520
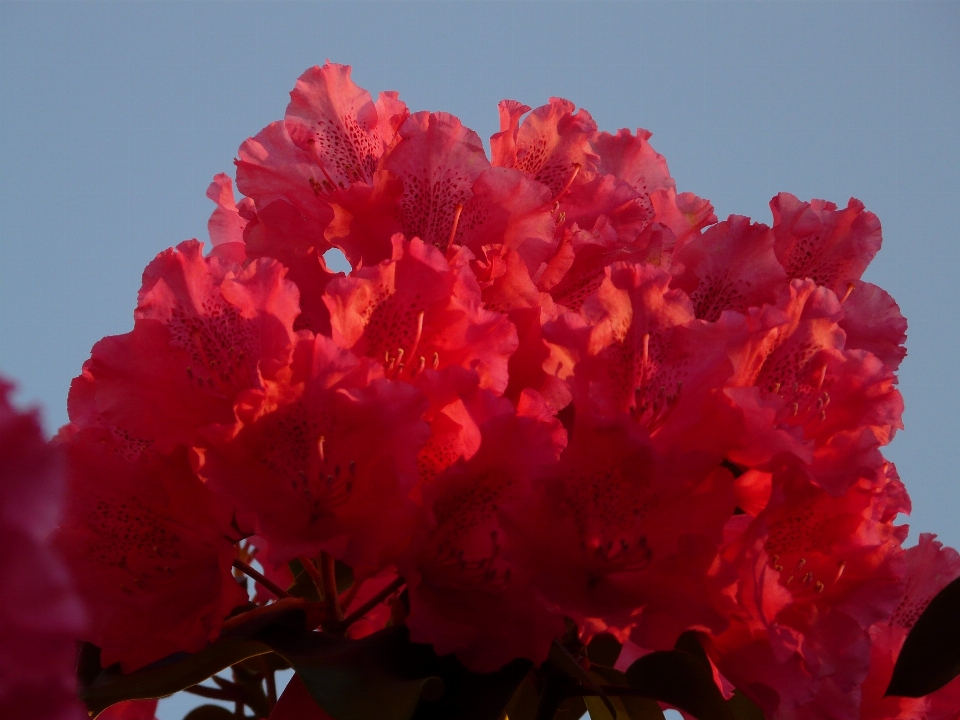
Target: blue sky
115 116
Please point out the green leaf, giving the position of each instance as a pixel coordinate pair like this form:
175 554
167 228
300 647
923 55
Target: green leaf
238 641
561 659
639 708
524 702
604 649
370 679
210 712
930 657
628 708
470 695
302 585
167 676
689 642
571 709
385 676
680 679
743 708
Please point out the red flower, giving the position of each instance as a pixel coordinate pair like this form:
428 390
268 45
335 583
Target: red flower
842 404
729 267
929 568
815 240
150 547
130 710
416 311
206 330
40 613
323 459
815 572
465 596
618 537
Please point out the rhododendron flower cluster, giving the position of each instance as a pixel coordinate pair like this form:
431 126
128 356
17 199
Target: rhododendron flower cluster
553 398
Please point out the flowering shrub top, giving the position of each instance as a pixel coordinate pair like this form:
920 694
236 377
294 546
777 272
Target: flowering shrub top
554 397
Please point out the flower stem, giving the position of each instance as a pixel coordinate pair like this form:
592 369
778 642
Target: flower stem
312 571
268 584
370 604
329 580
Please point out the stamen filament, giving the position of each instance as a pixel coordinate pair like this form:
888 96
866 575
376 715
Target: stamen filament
456 222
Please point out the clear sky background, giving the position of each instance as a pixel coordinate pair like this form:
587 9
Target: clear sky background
115 116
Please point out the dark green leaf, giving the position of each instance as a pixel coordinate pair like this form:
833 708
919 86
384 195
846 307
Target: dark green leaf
238 641
628 708
608 676
374 678
638 708
302 585
252 688
386 676
167 676
469 695
210 712
561 659
604 649
930 657
689 642
680 679
571 709
743 708
88 663
526 698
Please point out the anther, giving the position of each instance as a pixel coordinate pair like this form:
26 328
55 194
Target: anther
320 448
819 587
436 360
561 218
807 578
823 375
422 364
